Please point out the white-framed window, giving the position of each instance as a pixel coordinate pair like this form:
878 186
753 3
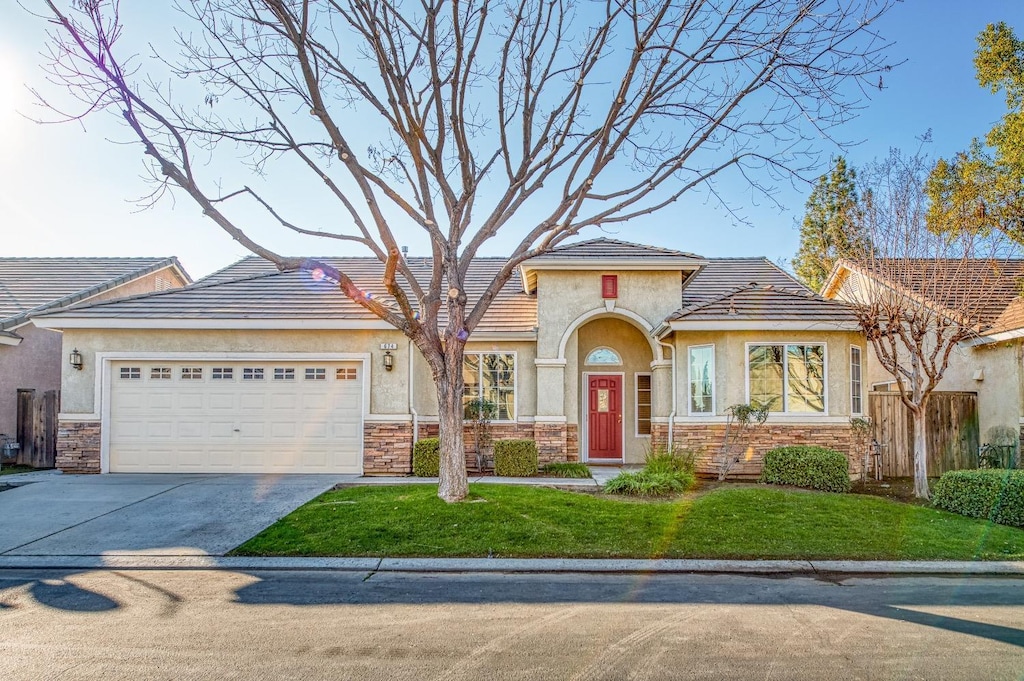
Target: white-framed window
284 374
222 373
252 374
603 356
491 376
316 374
346 374
130 373
643 404
191 373
856 381
701 379
160 373
787 377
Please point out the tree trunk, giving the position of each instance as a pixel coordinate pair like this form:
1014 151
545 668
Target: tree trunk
920 455
454 484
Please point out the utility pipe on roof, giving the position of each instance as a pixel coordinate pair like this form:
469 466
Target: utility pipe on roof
672 416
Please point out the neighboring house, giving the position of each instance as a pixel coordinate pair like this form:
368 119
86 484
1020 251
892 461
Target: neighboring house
598 350
990 363
31 357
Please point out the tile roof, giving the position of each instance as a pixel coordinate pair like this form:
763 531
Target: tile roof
991 290
32 285
254 289
612 249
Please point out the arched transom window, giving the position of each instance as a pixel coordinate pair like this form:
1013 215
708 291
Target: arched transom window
605 356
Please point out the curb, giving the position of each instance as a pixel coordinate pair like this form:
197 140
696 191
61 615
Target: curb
512 565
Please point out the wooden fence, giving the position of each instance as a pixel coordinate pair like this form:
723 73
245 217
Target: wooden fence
37 427
951 426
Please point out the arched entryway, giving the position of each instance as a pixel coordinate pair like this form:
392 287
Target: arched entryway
615 384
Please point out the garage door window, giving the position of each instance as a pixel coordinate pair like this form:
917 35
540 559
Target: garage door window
345 374
316 374
192 373
222 373
131 373
160 374
252 374
284 374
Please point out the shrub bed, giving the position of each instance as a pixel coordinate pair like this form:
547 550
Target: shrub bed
566 469
644 483
426 457
810 467
515 458
993 494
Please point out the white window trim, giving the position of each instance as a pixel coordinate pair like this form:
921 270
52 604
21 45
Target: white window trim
785 375
636 404
714 381
862 397
588 363
515 379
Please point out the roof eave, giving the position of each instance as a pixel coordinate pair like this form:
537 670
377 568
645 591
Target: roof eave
762 325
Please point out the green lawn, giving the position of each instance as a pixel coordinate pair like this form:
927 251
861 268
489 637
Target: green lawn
730 522
11 469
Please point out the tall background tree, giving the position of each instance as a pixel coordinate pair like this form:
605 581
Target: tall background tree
982 187
918 293
831 228
461 120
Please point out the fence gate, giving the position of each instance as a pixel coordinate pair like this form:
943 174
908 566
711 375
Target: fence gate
37 427
951 428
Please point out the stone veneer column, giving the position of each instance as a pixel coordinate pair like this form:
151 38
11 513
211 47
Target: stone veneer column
552 441
387 447
78 446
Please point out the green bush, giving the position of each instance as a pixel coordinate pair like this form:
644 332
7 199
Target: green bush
426 457
646 483
566 469
810 467
515 458
993 494
663 460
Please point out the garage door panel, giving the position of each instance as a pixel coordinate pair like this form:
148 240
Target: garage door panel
231 423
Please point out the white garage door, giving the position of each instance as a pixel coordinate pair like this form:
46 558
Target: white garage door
242 417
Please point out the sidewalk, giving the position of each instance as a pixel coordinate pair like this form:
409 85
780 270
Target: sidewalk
147 561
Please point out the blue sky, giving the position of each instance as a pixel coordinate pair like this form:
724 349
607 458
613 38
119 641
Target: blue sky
67 190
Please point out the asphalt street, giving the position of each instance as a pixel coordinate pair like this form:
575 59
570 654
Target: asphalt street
220 624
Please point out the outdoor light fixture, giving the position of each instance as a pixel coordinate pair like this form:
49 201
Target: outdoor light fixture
389 361
75 359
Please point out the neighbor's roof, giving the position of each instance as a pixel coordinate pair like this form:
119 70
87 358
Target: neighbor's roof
253 290
738 290
30 286
990 289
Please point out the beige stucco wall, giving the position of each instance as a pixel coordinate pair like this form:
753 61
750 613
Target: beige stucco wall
389 389
731 363
146 284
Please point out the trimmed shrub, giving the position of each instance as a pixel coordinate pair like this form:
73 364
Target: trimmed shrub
992 494
646 483
811 467
426 457
566 469
515 458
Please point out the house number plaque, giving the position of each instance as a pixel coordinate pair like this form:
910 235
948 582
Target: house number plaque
602 400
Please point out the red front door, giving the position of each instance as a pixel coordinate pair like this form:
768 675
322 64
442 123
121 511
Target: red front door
604 417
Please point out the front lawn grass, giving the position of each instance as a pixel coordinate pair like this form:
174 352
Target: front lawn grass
14 469
532 522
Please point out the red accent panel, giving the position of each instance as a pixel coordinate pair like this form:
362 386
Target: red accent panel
609 286
604 417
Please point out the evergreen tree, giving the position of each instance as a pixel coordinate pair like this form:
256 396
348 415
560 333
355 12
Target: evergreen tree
982 188
830 229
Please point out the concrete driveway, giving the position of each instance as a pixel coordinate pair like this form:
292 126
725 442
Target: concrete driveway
152 514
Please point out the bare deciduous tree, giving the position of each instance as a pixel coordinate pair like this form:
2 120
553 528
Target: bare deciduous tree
920 293
542 118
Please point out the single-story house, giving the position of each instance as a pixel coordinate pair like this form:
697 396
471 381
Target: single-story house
988 364
31 357
598 350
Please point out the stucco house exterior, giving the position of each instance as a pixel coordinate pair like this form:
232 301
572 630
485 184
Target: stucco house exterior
990 363
31 357
597 350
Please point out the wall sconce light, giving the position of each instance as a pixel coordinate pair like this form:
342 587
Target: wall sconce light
389 361
75 359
